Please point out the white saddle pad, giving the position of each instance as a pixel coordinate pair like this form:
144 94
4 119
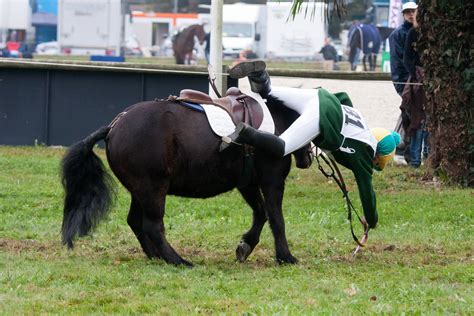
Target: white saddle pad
221 122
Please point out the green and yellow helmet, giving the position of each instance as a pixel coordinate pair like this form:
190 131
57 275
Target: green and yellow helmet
387 142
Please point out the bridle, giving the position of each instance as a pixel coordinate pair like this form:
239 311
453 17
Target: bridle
350 207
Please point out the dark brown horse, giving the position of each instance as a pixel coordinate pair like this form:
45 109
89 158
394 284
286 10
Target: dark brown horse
183 42
158 148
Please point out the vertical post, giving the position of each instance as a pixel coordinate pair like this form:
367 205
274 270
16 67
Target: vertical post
120 51
216 42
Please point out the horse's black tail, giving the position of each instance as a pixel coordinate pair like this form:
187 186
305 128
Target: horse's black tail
88 188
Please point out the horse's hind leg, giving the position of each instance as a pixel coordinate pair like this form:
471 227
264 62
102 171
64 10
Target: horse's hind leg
135 221
153 205
373 62
250 239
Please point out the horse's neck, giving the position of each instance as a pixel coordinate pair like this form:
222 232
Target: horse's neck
282 116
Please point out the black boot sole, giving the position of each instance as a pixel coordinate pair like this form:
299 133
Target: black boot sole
245 68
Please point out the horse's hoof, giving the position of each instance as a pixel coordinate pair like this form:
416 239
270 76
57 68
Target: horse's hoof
184 263
289 259
243 251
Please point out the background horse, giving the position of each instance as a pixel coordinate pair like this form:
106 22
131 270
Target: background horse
183 42
158 148
364 38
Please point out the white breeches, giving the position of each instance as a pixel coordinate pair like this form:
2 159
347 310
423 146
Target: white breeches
306 127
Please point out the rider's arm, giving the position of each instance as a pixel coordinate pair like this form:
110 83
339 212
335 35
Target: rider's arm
360 162
366 192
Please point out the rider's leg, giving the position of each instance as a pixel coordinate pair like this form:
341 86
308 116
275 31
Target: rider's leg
300 133
306 126
269 143
255 71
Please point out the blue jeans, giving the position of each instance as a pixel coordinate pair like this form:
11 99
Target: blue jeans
419 140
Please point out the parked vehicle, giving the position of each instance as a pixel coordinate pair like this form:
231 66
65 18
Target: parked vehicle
90 27
48 48
269 32
298 38
243 28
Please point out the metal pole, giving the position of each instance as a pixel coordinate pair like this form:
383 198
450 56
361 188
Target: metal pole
216 42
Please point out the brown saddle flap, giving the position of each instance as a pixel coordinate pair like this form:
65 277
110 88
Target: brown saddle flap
241 107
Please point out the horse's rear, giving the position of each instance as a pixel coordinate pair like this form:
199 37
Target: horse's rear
183 42
366 38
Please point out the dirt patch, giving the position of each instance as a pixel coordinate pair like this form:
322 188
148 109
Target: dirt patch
407 254
17 246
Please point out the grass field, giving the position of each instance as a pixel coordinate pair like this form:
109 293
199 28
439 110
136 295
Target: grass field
419 260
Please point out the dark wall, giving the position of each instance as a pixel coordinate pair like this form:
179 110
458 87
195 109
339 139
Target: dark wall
61 106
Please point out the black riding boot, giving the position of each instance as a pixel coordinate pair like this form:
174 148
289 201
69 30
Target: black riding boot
258 77
269 143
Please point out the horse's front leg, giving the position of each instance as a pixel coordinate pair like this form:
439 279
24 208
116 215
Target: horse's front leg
250 239
272 189
364 62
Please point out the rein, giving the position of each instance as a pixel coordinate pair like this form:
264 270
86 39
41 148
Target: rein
212 80
350 207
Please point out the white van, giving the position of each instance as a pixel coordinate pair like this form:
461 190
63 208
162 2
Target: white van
243 28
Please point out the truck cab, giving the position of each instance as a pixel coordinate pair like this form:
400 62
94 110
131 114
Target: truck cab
243 28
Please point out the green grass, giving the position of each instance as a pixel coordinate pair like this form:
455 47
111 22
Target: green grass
419 260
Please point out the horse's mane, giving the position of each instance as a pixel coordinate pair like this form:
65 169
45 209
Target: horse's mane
275 105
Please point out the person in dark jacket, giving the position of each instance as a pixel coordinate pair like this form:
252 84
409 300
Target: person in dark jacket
329 53
399 73
413 100
397 41
328 121
207 48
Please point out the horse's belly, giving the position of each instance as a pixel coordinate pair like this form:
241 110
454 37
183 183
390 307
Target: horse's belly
204 181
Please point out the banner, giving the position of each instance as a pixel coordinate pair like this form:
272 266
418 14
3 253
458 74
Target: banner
394 13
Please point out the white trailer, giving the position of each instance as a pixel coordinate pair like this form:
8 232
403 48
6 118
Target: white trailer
270 32
90 27
300 38
14 15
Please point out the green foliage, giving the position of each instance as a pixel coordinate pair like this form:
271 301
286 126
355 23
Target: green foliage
446 37
419 260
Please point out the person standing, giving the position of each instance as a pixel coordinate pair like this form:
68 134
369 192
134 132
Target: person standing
397 40
399 73
207 48
413 99
329 53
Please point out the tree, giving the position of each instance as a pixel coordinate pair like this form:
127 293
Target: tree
445 45
446 37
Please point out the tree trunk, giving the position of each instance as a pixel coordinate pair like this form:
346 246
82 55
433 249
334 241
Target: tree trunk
445 46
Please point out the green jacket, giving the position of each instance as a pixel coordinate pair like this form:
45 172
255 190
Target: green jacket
360 162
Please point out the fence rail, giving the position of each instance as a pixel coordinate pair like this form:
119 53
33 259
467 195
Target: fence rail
58 103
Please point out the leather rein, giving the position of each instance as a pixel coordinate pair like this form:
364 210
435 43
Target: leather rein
350 207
